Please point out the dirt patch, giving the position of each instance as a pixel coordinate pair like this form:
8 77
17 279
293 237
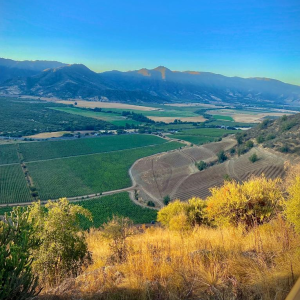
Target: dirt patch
183 119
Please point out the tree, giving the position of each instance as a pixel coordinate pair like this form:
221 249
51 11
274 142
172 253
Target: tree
17 240
201 165
253 158
63 250
221 156
117 231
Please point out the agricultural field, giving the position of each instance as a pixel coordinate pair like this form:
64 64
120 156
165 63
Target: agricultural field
160 175
201 136
20 117
175 174
239 168
221 117
114 118
106 207
8 154
13 186
87 174
34 151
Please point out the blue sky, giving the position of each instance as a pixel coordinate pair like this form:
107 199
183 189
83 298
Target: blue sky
233 37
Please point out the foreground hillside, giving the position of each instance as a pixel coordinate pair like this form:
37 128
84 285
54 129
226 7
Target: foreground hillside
280 134
242 242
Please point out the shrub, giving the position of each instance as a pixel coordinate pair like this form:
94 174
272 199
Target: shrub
249 144
167 200
260 139
253 158
187 214
63 250
17 240
292 205
201 165
255 201
270 136
151 203
221 156
117 230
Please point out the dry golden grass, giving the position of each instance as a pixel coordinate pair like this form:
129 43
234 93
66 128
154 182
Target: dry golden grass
204 263
93 104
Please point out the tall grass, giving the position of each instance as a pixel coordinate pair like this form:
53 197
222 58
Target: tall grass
203 263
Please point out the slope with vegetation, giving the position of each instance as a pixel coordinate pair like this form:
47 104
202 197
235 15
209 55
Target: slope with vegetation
241 243
281 134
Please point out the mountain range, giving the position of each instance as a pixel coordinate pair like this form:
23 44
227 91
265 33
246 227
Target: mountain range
55 79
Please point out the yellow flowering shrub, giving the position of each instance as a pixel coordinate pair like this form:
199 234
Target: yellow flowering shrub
252 202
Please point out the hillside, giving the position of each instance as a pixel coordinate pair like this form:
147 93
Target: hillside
281 134
71 81
10 69
204 86
144 85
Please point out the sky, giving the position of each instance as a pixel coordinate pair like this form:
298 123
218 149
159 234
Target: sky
247 38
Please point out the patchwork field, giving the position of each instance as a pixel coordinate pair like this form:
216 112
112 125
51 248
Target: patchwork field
87 174
34 151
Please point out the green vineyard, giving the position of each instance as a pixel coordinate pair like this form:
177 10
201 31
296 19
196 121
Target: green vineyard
13 187
64 148
120 204
8 154
76 176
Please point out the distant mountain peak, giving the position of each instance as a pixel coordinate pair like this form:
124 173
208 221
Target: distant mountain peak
162 70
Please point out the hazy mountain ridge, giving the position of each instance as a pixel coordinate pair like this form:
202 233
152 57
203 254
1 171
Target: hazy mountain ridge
10 69
144 85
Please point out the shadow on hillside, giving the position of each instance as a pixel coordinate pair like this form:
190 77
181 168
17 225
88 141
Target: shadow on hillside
277 288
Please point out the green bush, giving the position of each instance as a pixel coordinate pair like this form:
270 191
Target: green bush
221 156
201 165
151 203
253 158
17 241
63 250
249 144
167 200
260 139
